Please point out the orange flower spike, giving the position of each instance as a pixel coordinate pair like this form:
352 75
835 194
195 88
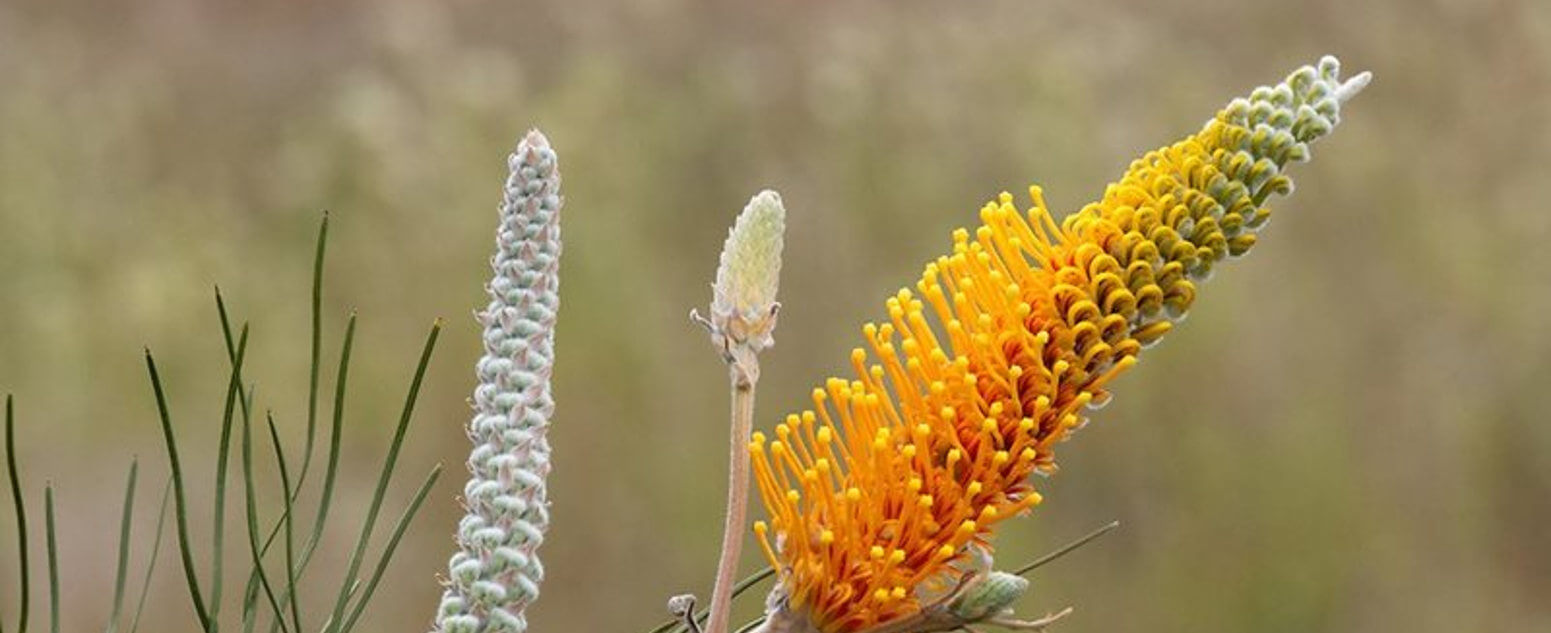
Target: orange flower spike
1013 335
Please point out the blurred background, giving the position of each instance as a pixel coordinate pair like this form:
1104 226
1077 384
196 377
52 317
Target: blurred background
1350 433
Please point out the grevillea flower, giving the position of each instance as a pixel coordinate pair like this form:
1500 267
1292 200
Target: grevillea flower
495 573
886 492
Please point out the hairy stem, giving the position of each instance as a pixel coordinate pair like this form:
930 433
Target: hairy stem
743 382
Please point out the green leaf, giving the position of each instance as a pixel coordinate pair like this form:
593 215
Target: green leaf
21 510
122 568
53 558
156 548
382 481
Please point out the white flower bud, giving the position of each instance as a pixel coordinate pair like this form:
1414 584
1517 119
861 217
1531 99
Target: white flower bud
743 303
496 572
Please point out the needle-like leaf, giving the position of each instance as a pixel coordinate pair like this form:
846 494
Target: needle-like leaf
20 505
393 544
53 558
156 548
290 539
121 570
317 342
218 523
180 503
252 514
383 478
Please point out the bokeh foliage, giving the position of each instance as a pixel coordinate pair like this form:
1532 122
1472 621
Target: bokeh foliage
1371 454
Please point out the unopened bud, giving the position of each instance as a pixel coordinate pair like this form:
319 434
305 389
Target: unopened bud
743 304
989 596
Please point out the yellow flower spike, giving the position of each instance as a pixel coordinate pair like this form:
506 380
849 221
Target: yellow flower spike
993 357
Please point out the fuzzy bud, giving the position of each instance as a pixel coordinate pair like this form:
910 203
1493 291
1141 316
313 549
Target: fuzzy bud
496 572
743 303
990 596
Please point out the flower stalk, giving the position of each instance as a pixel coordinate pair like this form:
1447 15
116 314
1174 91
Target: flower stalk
495 573
741 325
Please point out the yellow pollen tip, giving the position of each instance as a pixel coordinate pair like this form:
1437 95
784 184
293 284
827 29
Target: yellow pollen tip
945 551
792 496
925 501
989 425
761 528
968 527
853 494
898 593
826 435
973 488
826 537
876 551
897 556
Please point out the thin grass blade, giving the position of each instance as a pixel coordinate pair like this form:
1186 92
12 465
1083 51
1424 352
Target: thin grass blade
336 431
122 569
290 537
218 522
53 558
180 504
331 471
20 505
393 543
316 363
383 478
156 549
1067 549
252 515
